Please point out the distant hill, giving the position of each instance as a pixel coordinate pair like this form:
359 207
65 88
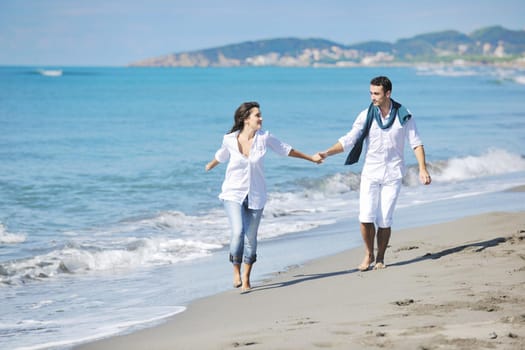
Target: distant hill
513 40
487 45
285 47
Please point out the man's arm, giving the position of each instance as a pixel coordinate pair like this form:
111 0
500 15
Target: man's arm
335 149
424 176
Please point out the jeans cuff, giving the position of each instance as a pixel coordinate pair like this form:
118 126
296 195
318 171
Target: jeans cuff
250 260
236 260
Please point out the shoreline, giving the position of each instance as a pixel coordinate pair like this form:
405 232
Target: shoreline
432 298
517 64
516 189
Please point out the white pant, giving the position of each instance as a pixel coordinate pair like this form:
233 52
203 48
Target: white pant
377 200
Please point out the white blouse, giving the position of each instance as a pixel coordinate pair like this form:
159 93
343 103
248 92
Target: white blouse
384 158
245 175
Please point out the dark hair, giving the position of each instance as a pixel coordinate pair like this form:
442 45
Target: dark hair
241 114
382 81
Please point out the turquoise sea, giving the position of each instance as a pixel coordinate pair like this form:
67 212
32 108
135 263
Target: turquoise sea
109 223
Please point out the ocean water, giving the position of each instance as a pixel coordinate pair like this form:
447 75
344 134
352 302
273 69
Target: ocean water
109 223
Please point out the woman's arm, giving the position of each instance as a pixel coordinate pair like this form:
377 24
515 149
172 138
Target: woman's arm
212 164
316 158
222 155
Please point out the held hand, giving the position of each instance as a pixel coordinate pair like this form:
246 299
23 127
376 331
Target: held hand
317 158
424 177
323 155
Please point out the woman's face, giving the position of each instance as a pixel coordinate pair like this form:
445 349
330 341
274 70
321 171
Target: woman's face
254 120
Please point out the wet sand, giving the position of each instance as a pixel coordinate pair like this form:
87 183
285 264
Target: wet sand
455 285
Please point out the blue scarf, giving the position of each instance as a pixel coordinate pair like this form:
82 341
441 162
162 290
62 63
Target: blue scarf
375 114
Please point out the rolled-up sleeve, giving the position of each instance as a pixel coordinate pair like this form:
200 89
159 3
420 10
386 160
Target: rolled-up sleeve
412 134
348 141
223 154
281 148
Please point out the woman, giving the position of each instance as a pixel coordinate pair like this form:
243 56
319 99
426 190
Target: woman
244 187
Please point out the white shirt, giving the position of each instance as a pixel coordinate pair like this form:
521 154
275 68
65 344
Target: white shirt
384 157
245 175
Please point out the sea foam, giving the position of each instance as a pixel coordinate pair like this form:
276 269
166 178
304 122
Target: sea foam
10 238
493 162
171 237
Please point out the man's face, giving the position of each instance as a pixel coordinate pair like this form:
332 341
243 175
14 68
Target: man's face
378 96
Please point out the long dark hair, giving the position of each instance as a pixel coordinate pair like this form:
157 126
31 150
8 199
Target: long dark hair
241 114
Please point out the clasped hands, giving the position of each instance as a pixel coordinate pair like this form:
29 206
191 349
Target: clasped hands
319 157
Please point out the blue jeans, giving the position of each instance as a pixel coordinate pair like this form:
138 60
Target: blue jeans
244 222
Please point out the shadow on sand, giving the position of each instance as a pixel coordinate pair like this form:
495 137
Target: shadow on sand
478 247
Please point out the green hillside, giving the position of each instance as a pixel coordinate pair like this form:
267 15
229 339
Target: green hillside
485 45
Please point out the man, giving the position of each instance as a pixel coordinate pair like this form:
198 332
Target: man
385 126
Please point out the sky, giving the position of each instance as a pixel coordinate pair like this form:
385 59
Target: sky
118 32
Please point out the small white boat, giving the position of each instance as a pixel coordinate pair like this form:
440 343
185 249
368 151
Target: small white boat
50 72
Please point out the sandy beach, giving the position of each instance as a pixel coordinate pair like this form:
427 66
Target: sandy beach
455 285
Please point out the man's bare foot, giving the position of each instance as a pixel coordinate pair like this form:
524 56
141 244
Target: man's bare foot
367 261
379 265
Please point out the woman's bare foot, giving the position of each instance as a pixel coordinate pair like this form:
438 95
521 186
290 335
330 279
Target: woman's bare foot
237 282
367 261
246 287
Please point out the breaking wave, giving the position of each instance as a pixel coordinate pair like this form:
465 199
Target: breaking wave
171 237
10 238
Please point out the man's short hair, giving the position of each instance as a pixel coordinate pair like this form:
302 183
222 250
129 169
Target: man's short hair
382 81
